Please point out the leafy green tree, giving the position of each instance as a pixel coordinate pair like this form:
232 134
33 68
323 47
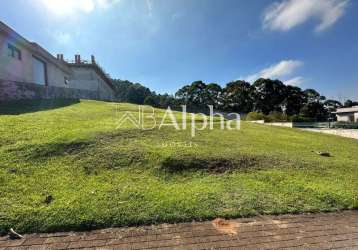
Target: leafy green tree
126 91
269 95
192 95
238 96
166 100
212 95
294 100
331 106
350 103
121 89
312 95
314 106
183 95
314 110
197 93
137 93
151 100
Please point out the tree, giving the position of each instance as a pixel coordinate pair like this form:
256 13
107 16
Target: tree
127 91
212 95
332 106
312 96
294 101
314 106
192 95
137 93
121 89
196 93
183 94
269 95
151 100
350 103
314 110
167 100
238 96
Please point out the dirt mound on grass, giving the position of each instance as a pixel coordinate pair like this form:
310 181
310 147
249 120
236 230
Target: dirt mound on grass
212 164
44 151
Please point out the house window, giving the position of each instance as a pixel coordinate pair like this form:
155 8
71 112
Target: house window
13 51
39 71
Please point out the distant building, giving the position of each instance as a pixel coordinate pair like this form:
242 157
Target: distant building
27 71
347 114
90 76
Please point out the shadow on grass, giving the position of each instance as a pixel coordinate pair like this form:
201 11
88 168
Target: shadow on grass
30 106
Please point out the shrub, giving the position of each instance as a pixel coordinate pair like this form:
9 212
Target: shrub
346 125
255 116
300 118
276 117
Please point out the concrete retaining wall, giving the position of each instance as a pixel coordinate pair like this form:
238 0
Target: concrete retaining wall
87 78
258 121
296 124
10 90
349 133
280 124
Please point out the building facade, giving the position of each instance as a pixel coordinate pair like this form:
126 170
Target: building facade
91 77
27 71
347 114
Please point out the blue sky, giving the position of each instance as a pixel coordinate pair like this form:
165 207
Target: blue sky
165 44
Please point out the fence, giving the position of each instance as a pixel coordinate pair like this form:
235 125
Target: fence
313 124
298 124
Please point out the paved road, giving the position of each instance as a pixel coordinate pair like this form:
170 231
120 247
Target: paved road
310 231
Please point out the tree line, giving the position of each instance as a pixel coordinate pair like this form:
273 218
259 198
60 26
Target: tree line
264 97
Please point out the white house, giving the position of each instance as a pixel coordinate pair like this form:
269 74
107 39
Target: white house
347 114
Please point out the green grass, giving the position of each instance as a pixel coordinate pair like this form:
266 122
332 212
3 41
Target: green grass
100 176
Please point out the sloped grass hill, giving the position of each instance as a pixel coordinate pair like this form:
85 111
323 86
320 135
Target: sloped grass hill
71 168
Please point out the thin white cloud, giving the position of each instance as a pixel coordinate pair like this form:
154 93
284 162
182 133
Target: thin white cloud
278 70
296 81
73 7
105 4
288 14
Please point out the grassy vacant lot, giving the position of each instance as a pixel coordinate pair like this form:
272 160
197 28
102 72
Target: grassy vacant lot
70 168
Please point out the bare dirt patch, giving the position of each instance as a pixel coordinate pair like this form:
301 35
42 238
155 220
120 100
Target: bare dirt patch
211 164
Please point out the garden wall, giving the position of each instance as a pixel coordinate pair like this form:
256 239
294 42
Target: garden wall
10 90
297 124
280 124
258 121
